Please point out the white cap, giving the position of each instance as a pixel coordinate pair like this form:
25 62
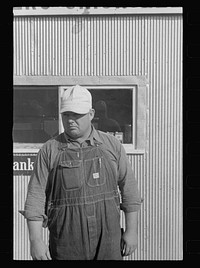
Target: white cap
76 99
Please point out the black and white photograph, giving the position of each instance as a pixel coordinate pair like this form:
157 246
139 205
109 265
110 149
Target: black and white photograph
98 133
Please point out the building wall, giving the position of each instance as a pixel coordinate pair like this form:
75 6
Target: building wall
119 45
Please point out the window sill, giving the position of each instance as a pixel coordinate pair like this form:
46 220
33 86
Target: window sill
34 148
130 149
26 147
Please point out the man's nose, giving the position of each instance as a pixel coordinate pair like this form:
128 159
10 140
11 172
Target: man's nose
71 119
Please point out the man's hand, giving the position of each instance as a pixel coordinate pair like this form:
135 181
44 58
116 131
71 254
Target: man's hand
129 242
39 251
129 239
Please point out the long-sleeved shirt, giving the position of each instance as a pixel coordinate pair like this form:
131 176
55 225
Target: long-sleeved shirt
35 200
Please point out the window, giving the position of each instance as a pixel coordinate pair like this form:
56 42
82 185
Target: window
113 111
35 114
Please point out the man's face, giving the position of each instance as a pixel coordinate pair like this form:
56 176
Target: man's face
77 125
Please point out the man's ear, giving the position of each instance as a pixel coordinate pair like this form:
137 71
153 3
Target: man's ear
91 113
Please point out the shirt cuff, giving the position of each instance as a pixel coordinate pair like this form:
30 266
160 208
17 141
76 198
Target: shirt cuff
131 207
34 216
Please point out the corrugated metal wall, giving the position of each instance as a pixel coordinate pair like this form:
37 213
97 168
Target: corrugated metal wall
149 45
100 45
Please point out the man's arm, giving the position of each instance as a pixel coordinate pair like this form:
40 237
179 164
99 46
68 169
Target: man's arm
129 238
39 251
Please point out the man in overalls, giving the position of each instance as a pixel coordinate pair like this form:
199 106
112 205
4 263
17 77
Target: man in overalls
74 190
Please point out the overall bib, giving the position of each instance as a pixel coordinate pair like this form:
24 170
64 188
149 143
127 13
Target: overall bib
83 205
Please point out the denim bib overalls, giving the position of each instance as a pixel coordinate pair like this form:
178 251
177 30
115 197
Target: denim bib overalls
83 205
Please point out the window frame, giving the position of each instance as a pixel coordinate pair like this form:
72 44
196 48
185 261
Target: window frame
138 82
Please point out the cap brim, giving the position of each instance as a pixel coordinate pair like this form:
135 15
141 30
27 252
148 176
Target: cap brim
77 110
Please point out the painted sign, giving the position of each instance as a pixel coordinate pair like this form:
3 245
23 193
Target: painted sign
23 163
35 11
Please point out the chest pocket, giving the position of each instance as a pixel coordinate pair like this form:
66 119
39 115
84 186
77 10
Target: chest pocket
71 174
95 171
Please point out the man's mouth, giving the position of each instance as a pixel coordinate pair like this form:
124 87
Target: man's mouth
72 126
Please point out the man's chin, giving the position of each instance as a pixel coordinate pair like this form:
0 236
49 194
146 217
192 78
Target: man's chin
73 133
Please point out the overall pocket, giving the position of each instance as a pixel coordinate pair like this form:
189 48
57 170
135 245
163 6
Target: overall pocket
71 174
94 171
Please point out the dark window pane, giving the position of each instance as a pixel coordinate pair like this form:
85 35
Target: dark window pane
113 112
35 114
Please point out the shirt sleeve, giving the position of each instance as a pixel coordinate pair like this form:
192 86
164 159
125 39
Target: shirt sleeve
34 208
130 196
